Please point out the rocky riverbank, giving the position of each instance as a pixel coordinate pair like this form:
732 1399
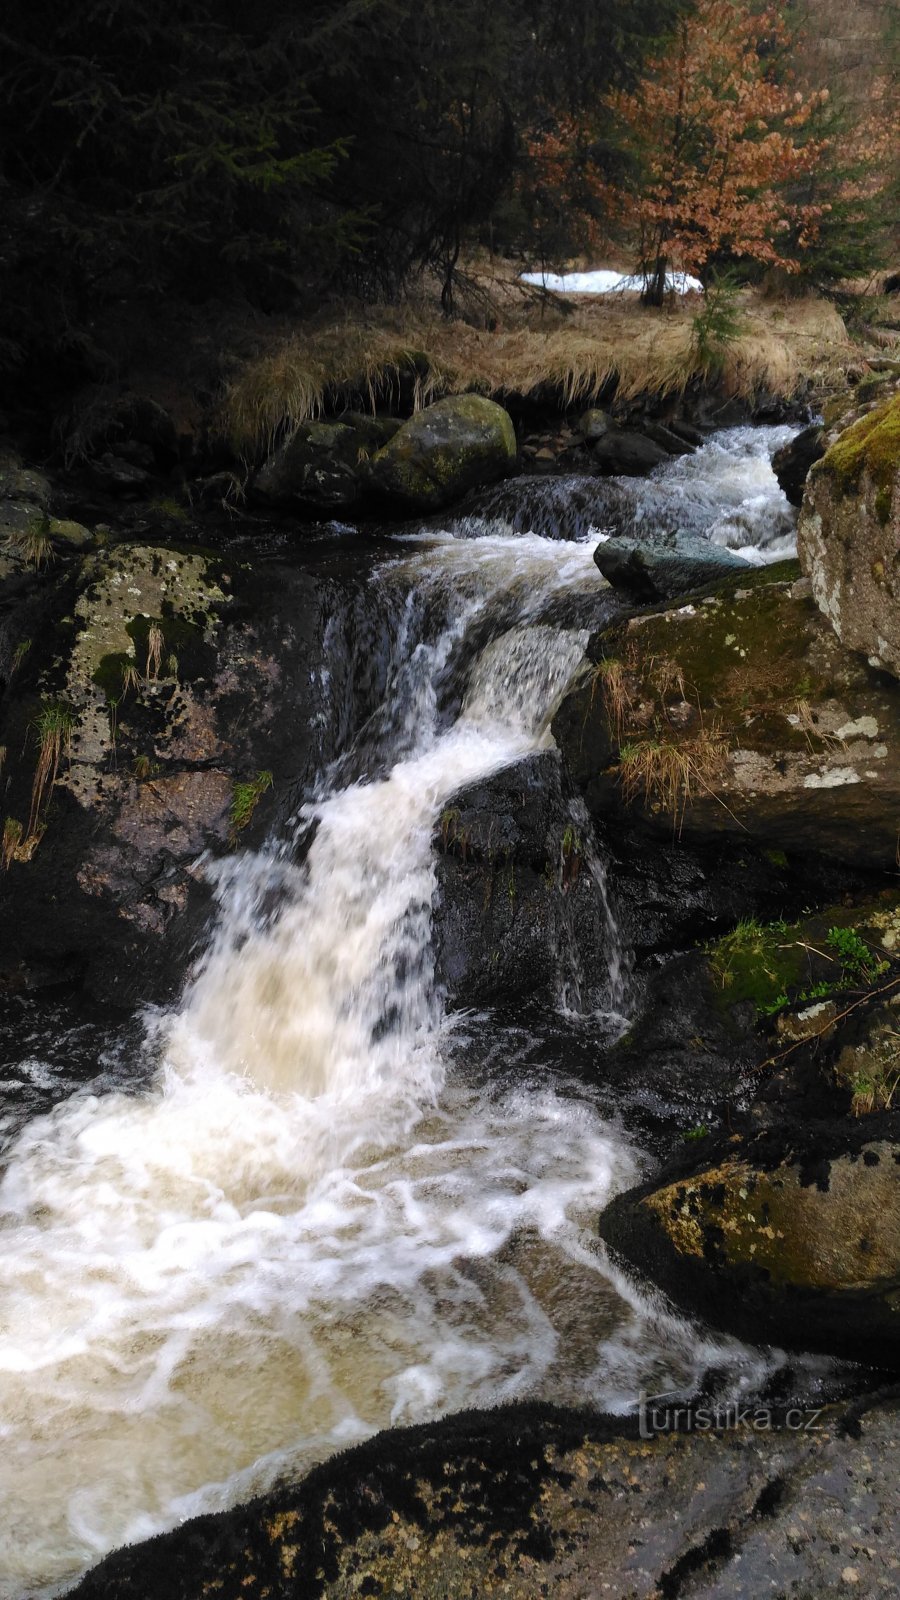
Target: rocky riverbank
707 857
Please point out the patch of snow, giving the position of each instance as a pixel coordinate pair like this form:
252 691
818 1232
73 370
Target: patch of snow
604 281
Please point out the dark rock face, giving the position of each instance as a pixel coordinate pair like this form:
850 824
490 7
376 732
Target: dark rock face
165 689
791 1237
527 1502
518 909
791 464
323 465
622 452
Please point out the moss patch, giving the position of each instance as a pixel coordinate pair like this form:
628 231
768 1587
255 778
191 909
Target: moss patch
871 445
777 964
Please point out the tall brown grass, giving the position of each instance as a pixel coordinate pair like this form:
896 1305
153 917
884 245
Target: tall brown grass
568 351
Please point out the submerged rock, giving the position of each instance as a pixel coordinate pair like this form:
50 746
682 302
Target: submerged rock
791 1237
441 452
527 1501
740 713
849 534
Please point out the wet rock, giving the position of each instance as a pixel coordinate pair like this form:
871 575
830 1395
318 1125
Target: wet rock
445 450
673 443
849 533
791 1237
791 464
518 909
739 712
622 452
528 1501
660 565
23 484
594 424
154 683
321 466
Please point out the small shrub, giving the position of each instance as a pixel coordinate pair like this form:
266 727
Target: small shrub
719 325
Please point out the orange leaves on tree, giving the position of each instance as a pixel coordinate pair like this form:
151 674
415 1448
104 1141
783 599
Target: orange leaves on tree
722 139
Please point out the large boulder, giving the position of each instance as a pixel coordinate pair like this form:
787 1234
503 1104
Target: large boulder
441 452
739 713
849 534
786 1237
322 465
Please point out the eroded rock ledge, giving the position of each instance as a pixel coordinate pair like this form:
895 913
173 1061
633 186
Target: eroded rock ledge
529 1502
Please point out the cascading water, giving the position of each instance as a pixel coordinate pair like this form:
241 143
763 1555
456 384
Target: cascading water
314 1226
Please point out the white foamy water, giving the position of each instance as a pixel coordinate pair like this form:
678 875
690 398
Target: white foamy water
729 492
310 1229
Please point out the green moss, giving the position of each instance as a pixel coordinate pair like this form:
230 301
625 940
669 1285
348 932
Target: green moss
871 445
245 798
776 964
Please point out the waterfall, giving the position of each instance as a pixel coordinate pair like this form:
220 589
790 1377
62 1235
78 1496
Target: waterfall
314 1225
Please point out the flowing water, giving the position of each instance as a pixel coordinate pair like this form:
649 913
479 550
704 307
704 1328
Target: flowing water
318 1221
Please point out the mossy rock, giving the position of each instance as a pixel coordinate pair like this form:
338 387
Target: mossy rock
739 712
849 534
441 452
790 1237
776 965
319 466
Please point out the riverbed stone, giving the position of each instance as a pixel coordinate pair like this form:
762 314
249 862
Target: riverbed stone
658 564
528 1501
849 533
443 451
627 453
789 1237
739 712
322 465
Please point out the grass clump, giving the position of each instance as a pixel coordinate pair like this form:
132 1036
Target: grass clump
667 773
777 964
34 546
53 727
245 799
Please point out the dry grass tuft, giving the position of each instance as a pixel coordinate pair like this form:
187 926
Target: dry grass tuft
611 676
568 349
155 642
667 774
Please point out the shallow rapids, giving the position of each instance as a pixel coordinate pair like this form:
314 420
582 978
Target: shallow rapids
315 1226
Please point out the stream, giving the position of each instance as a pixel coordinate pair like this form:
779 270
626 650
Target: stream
339 1206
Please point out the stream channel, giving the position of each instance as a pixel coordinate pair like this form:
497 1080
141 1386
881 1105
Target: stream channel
333 1204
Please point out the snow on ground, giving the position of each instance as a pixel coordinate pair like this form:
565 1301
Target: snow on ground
603 281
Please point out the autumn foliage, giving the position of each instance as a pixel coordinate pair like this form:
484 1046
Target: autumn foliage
729 161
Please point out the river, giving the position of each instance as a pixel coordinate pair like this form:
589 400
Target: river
320 1219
